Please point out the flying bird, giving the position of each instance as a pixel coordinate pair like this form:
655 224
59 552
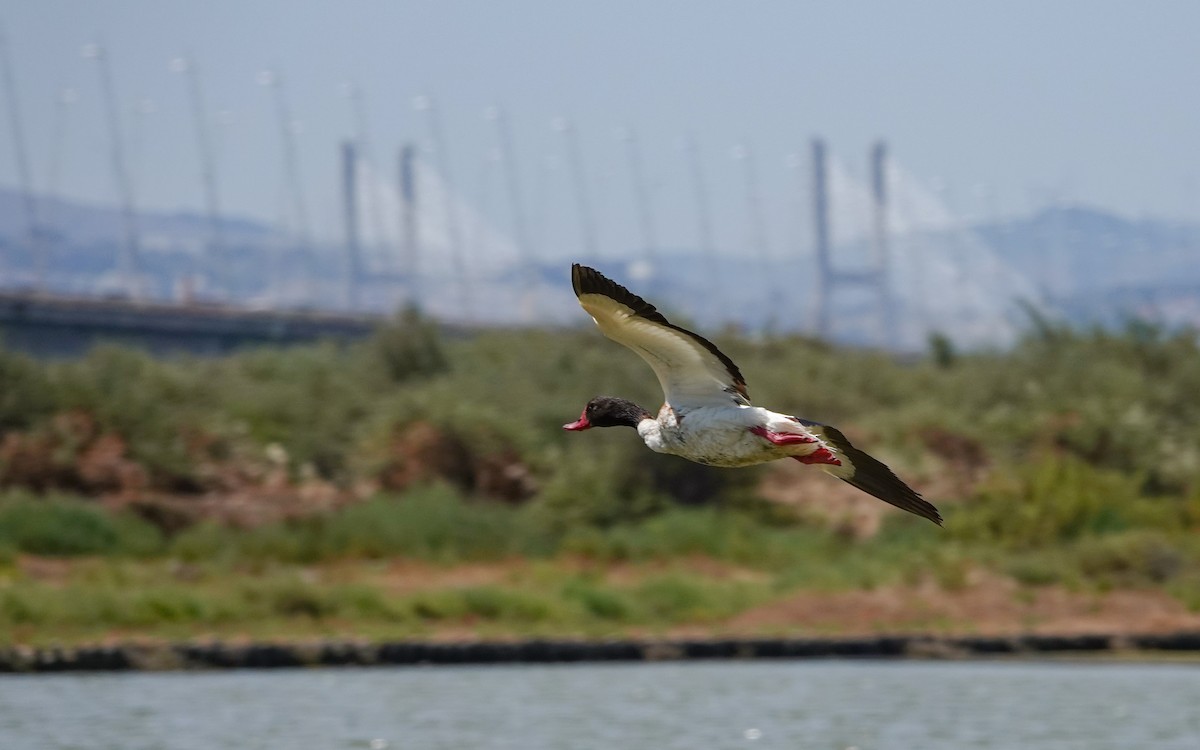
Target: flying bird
707 416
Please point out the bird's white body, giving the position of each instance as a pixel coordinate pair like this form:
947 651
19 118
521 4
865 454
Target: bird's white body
720 435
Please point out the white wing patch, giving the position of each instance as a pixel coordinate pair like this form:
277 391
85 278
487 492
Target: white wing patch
690 375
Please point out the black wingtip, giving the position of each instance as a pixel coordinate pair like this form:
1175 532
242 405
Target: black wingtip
587 280
892 490
873 477
576 277
877 479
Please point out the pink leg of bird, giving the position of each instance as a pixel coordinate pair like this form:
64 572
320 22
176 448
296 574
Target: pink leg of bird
819 456
783 438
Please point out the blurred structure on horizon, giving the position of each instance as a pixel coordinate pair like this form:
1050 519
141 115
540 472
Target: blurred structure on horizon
965 281
878 260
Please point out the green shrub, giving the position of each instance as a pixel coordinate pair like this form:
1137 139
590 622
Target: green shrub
593 487
1094 427
57 526
1053 500
25 394
1133 558
597 601
437 606
676 597
673 598
152 405
367 603
287 597
496 603
166 606
735 536
307 400
1040 568
408 347
432 523
23 606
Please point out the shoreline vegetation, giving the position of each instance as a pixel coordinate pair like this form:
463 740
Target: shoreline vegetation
157 657
418 488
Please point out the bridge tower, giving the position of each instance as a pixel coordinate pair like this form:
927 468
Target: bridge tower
409 229
350 211
874 278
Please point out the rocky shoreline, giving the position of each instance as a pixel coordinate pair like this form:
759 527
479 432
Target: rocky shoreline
219 655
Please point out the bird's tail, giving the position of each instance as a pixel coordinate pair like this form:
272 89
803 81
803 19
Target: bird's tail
870 475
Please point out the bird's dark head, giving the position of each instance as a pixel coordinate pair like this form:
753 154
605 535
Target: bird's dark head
606 411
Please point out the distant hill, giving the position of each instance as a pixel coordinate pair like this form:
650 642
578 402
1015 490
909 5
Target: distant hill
1082 264
84 243
1094 266
83 224
1074 251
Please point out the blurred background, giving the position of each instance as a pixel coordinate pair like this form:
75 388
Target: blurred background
869 174
287 339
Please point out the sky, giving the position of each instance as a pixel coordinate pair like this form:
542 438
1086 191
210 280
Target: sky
1000 108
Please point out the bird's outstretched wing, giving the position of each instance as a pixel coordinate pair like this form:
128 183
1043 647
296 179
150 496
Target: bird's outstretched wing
690 368
869 474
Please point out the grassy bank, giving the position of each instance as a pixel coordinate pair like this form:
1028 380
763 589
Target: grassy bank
432 562
413 485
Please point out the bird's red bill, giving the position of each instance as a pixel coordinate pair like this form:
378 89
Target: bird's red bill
580 424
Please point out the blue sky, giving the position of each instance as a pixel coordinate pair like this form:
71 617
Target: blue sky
1004 105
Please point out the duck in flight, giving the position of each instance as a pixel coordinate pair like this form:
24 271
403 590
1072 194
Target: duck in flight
707 416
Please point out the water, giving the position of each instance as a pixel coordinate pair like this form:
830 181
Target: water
751 705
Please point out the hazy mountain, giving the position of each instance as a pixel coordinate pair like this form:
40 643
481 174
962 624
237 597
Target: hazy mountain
1093 266
83 224
965 281
1075 251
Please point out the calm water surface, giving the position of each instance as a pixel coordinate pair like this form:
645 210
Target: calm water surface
753 705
